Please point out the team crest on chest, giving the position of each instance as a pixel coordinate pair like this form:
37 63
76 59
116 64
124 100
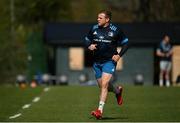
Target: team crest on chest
110 34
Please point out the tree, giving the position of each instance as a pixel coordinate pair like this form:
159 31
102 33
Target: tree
40 11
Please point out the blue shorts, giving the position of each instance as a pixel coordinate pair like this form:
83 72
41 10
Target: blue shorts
106 67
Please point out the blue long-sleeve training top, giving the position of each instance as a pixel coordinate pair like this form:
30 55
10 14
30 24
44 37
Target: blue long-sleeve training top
107 40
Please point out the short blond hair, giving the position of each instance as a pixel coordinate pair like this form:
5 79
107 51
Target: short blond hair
107 13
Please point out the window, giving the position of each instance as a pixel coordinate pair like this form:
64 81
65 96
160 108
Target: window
76 58
175 63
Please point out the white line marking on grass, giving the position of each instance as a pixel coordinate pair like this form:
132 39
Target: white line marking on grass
36 99
26 106
46 89
15 116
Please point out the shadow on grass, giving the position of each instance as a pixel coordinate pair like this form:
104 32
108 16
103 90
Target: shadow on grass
112 118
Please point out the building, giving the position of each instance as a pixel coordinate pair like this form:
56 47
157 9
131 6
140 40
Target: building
71 59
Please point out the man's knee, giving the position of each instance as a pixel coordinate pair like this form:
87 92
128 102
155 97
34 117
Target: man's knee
104 84
162 72
167 74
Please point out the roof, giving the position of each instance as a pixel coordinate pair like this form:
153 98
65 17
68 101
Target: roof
70 34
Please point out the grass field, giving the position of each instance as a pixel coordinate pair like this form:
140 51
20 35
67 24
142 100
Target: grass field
74 103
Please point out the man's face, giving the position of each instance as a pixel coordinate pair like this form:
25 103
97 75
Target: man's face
166 39
102 20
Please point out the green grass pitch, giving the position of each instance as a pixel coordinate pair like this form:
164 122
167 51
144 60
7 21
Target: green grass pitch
74 103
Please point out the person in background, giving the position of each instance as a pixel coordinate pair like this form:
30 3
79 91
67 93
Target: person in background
164 52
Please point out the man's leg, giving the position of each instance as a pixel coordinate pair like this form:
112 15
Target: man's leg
99 81
104 90
103 80
103 84
98 74
161 78
167 78
117 90
110 67
167 74
111 87
162 69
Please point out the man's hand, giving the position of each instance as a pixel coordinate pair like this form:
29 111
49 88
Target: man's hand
92 47
169 53
116 58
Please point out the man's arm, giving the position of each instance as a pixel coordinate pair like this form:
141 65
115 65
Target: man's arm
87 42
124 48
124 42
159 53
89 45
